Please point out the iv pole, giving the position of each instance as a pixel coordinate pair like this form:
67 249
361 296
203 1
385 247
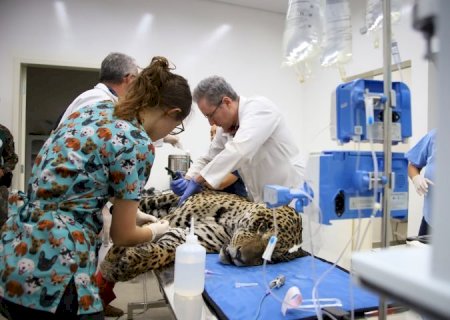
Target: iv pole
387 145
420 276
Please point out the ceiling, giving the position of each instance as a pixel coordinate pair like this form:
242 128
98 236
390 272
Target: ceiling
277 6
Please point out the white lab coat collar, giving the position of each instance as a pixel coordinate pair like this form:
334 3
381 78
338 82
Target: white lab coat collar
105 89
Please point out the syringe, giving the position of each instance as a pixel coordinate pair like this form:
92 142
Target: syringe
245 284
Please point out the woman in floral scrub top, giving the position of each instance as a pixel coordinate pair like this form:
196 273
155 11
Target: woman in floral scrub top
48 244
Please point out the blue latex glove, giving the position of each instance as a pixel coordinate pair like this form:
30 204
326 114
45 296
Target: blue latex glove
179 184
192 188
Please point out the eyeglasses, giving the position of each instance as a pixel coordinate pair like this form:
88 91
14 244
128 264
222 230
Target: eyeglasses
178 129
211 115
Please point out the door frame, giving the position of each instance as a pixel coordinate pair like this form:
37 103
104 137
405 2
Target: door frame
20 102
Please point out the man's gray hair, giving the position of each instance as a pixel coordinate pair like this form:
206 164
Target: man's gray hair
116 66
213 89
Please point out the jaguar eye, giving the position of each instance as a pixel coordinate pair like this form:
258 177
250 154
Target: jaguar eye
262 227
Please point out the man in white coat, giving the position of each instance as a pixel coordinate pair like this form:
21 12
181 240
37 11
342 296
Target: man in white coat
252 138
117 71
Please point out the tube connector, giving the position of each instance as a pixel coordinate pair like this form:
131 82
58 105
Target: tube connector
267 255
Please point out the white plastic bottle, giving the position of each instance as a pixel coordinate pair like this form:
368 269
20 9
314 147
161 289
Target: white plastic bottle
190 258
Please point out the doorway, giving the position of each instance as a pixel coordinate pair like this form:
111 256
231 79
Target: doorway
48 92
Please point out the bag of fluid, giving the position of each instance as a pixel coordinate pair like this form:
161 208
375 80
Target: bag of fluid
374 15
338 35
302 37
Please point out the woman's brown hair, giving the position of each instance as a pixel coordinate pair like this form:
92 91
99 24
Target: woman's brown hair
156 87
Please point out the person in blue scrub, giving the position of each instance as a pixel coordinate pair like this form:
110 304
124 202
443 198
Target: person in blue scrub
422 155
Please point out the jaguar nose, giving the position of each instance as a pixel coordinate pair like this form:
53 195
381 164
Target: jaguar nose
237 257
238 254
225 256
231 252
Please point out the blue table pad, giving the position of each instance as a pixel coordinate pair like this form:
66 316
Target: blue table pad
230 302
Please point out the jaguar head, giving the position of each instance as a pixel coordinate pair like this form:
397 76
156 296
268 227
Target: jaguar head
253 231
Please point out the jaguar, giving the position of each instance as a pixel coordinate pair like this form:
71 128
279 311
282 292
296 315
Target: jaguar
225 223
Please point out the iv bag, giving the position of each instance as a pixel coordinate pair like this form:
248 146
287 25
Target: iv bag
338 36
374 13
303 31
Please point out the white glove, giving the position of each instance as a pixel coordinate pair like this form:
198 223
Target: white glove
107 217
158 228
178 145
421 184
143 218
173 140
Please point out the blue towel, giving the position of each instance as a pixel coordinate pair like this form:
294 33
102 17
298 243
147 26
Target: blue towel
242 303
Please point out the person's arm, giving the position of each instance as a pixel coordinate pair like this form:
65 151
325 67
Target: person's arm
228 181
216 146
126 188
124 231
420 182
173 140
9 155
413 171
158 143
418 159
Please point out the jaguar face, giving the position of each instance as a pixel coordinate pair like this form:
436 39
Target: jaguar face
250 238
247 251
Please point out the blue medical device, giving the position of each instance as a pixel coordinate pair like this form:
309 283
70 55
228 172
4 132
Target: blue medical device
275 196
360 103
342 182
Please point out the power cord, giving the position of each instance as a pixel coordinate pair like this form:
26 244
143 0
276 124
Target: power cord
278 282
260 303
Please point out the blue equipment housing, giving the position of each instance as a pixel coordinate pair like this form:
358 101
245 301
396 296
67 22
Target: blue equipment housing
361 101
275 196
342 184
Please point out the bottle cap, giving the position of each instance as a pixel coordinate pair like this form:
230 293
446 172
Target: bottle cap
191 237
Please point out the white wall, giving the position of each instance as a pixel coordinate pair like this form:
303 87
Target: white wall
201 38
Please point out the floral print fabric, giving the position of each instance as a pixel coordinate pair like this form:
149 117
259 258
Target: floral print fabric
50 236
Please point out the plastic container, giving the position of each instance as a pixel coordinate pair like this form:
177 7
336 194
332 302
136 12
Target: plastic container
179 162
190 258
188 308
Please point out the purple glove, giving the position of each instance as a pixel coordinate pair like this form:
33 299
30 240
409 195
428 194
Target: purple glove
192 188
179 185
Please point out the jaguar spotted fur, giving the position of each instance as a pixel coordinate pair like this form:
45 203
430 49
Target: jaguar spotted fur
237 228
